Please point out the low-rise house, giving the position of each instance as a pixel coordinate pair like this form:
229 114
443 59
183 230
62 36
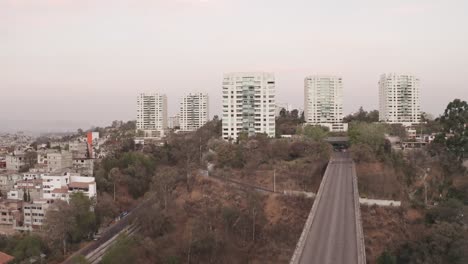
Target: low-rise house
11 212
425 138
42 155
411 133
7 181
61 186
412 145
395 141
39 168
59 161
32 189
33 175
2 163
14 195
59 145
84 166
5 258
15 162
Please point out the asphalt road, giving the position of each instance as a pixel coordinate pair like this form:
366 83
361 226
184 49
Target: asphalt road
332 236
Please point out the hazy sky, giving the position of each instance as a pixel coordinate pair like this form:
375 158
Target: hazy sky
74 63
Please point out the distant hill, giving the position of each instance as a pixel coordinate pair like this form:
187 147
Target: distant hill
37 127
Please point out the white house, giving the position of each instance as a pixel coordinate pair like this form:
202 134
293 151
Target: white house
61 186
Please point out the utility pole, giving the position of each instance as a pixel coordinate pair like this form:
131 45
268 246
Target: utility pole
425 185
274 180
200 152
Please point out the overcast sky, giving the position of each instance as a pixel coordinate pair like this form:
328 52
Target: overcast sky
75 63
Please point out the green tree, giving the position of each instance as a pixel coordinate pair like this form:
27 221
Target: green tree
362 116
447 211
30 158
28 246
372 135
70 223
106 209
313 132
164 182
362 153
386 258
287 122
455 124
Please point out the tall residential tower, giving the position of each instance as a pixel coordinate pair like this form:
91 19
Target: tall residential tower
151 115
248 104
399 101
323 101
194 111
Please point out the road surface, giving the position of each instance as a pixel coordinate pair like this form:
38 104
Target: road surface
333 235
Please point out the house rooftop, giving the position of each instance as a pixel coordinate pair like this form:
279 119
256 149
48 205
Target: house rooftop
5 258
80 185
61 190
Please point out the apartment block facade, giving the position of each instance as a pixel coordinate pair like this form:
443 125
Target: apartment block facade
59 161
194 111
34 214
248 104
152 115
323 101
399 100
15 162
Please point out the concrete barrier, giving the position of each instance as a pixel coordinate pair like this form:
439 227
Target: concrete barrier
299 193
357 210
370 202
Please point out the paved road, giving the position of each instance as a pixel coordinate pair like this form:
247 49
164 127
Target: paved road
332 237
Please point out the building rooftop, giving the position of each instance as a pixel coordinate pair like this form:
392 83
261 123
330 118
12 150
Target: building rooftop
61 190
80 185
5 258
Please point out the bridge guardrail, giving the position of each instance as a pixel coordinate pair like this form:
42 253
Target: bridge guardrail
357 210
310 219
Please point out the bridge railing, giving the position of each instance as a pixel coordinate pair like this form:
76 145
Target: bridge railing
296 258
357 210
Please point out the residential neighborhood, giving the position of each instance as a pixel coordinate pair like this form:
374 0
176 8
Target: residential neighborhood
33 178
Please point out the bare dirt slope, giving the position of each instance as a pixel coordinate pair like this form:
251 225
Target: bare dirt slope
216 222
389 228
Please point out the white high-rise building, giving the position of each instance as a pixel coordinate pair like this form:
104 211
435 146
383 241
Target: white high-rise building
194 111
399 101
152 115
323 101
248 104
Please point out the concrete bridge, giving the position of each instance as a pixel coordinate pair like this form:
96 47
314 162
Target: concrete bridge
333 231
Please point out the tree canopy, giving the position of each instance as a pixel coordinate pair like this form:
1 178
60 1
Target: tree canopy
362 116
454 121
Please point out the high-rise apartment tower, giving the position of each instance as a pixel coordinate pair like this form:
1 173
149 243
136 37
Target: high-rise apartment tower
323 101
194 111
152 115
399 101
248 104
